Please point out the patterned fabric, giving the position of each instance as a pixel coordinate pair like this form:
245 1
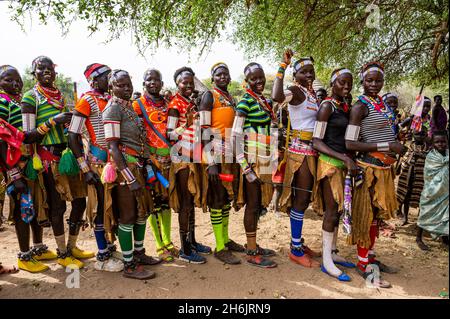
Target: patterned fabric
45 110
375 128
157 114
184 108
410 183
10 110
92 104
257 119
434 211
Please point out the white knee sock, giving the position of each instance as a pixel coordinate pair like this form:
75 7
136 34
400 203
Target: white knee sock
335 256
327 242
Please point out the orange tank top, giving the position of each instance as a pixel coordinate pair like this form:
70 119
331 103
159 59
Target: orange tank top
222 114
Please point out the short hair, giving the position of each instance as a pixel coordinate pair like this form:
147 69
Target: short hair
5 68
249 68
181 70
321 89
115 74
440 133
39 59
436 96
152 70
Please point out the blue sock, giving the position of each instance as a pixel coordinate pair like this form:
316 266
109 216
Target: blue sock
99 232
296 218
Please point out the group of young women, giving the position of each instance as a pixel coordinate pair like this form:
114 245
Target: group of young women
128 162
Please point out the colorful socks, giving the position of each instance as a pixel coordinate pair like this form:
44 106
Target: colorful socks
126 241
296 218
165 222
363 259
139 234
225 218
99 232
154 225
216 221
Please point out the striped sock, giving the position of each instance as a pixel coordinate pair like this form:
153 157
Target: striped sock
139 234
216 221
363 259
99 232
225 218
165 221
126 241
296 218
154 225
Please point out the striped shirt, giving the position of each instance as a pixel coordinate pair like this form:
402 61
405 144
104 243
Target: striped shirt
45 110
257 119
375 127
10 111
91 105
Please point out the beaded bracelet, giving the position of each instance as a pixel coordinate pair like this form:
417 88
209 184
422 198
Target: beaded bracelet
281 70
50 122
14 174
83 165
43 129
128 176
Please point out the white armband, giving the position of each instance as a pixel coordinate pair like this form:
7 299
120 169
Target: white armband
112 130
352 132
128 176
238 126
205 118
288 96
383 147
172 122
320 128
76 124
28 121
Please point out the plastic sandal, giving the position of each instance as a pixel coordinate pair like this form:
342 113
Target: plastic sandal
341 277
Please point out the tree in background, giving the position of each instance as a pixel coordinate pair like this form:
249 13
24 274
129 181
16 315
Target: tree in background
409 37
63 83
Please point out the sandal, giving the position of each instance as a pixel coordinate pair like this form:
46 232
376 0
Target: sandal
164 255
8 269
373 280
389 233
174 250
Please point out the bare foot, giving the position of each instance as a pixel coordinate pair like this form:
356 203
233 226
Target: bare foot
422 245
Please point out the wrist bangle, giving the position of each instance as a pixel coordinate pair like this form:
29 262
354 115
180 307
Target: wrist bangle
83 165
383 147
128 176
43 129
14 174
283 65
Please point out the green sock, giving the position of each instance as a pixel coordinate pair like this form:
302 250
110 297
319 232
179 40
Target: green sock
153 221
225 217
216 221
126 241
165 221
139 234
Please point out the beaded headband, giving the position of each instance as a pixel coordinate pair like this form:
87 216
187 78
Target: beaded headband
252 68
338 73
115 73
300 64
217 66
90 76
371 69
186 72
427 99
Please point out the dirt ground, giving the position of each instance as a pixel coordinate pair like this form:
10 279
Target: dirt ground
422 275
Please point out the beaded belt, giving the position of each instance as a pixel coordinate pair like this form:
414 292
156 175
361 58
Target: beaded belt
331 160
298 146
373 161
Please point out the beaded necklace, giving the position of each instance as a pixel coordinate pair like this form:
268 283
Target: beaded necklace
344 106
160 107
226 96
53 96
127 108
263 102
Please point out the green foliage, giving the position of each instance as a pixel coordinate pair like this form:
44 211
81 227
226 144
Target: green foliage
63 83
409 37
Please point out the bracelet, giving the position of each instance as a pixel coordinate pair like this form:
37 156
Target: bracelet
43 129
50 123
383 147
14 174
128 176
283 65
83 165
